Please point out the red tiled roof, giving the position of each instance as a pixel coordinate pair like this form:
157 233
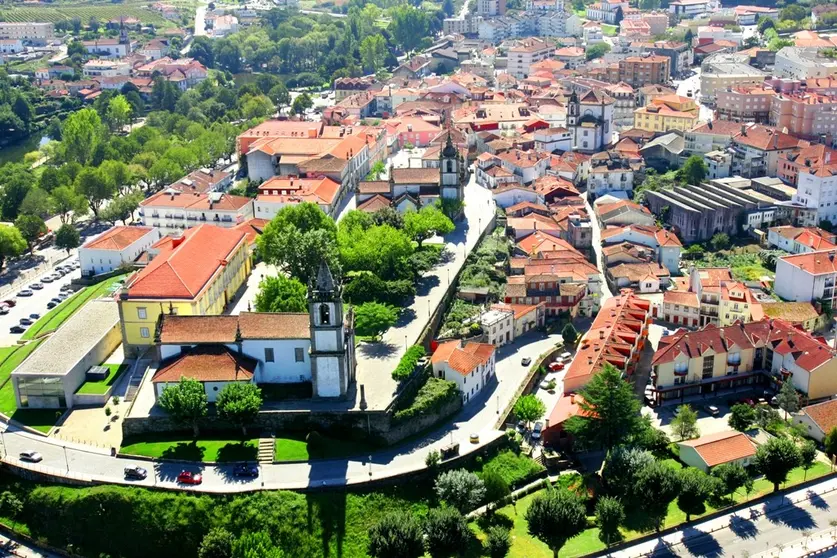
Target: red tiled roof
815 263
190 330
213 363
118 238
463 359
722 447
823 414
185 265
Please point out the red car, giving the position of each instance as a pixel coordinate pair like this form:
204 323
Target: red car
188 477
556 366
10 302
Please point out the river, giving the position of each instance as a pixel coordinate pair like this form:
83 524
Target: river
15 152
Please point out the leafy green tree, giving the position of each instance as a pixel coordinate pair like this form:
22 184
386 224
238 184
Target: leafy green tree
610 514
765 23
256 545
164 171
373 318
383 250
37 202
529 408
121 208
426 223
497 542
408 26
496 487
720 241
830 443
826 225
373 52
67 238
186 402
730 477
82 133
776 458
742 417
217 543
279 95
788 399
12 243
461 489
807 456
684 425
375 173
597 51
96 188
117 172
67 201
396 534
694 170
794 12
609 411
554 517
119 112
202 51
622 468
51 178
658 484
31 227
695 488
16 180
239 403
302 103
281 294
10 506
569 334
298 239
446 532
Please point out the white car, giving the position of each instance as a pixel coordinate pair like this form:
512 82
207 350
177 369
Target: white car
31 456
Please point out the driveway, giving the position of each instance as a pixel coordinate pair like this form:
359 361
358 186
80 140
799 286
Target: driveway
597 248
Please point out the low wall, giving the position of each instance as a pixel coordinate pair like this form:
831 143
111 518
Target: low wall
92 399
532 378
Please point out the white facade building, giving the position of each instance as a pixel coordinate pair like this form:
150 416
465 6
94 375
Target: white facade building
803 63
807 277
470 367
118 246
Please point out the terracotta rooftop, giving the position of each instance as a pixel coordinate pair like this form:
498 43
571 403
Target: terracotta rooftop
722 447
823 414
213 363
118 238
463 359
190 330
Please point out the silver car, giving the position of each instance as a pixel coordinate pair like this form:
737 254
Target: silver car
31 456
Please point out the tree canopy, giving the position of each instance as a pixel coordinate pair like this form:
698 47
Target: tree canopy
281 294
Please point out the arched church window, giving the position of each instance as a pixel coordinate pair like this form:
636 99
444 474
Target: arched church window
325 314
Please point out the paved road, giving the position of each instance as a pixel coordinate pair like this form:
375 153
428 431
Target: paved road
597 248
13 546
692 84
773 523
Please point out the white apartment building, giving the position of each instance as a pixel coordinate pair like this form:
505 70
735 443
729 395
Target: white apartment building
688 9
498 327
715 33
11 46
34 33
807 277
605 180
106 68
803 63
525 53
817 191
470 367
118 246
553 139
171 211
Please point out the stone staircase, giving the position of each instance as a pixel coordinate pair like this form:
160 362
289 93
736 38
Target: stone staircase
136 380
266 450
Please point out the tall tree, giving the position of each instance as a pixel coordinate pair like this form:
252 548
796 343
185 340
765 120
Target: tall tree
829 443
408 26
96 188
301 103
694 170
426 223
217 543
396 534
608 411
446 532
461 489
741 417
81 135
730 477
529 408
119 113
31 227
37 202
256 544
621 471
373 52
658 484
374 318
610 514
695 488
776 458
186 402
239 403
569 334
67 238
788 398
12 243
554 517
684 425
807 456
281 294
497 542
67 201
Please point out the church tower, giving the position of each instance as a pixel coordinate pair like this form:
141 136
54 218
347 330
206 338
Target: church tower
332 338
451 171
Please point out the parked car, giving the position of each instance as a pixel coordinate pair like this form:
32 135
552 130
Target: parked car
712 410
27 321
52 304
537 430
246 470
4 309
62 296
25 292
34 315
526 361
47 279
10 303
556 366
36 286
188 477
31 456
17 329
135 473
66 287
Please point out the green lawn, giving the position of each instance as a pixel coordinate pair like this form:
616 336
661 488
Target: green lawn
207 449
511 467
100 387
609 30
525 546
53 319
291 447
12 358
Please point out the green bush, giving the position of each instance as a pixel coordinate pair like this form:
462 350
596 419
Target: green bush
408 363
512 468
432 396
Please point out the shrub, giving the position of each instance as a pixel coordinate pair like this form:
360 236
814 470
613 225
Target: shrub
408 362
432 396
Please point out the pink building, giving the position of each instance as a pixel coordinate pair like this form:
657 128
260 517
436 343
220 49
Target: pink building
413 130
805 115
744 104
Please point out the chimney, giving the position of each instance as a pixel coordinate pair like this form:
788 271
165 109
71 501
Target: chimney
743 129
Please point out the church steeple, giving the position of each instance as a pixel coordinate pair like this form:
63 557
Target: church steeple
332 336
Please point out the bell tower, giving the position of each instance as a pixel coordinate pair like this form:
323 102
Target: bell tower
332 337
451 171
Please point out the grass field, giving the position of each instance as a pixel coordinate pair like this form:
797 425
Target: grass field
11 359
102 12
295 448
53 319
207 449
609 30
525 546
100 387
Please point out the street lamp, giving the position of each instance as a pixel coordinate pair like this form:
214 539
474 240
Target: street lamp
498 404
405 340
370 466
428 307
449 283
66 461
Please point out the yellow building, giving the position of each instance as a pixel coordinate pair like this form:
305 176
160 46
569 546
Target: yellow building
196 274
738 303
667 113
767 352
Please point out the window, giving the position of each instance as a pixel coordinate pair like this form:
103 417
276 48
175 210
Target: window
268 354
144 333
325 314
299 354
141 313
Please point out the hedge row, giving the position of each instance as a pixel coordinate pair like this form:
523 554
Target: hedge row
408 363
432 396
